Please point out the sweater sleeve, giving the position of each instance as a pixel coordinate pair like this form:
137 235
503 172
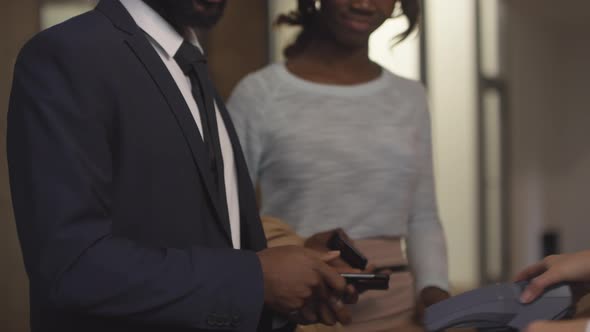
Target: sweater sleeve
245 107
427 251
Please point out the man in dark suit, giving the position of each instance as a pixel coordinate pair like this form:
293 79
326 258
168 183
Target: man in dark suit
132 198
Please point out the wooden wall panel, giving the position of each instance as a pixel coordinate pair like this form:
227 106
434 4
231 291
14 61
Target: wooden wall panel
238 45
19 20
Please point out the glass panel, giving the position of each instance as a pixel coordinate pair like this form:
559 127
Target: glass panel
489 37
452 89
493 183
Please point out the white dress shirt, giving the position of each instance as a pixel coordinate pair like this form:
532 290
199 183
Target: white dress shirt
166 41
588 327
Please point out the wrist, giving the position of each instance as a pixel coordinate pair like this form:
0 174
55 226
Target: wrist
432 295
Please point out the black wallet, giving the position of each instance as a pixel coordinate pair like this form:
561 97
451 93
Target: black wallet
348 252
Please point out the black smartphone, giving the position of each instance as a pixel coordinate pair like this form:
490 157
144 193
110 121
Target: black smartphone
367 281
348 252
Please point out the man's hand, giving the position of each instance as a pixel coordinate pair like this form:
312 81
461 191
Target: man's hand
319 243
562 326
296 278
555 269
428 296
328 313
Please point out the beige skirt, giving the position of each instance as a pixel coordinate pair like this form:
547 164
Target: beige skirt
390 310
377 311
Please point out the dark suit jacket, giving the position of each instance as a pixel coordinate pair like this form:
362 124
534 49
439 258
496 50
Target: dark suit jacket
112 192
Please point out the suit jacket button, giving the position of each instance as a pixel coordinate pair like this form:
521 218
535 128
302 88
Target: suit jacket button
222 320
211 321
235 320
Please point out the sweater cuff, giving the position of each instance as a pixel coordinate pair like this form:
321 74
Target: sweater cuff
432 281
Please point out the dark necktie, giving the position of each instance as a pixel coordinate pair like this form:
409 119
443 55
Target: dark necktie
194 64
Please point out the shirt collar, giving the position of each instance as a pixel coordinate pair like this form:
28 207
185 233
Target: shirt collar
157 28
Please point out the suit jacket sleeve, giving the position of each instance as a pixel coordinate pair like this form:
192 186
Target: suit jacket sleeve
61 171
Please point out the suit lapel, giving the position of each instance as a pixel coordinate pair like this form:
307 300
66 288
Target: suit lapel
146 54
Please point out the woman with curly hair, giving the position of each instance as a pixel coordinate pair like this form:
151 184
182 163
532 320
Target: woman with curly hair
335 141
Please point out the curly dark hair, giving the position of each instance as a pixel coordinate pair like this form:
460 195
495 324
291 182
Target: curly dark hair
306 11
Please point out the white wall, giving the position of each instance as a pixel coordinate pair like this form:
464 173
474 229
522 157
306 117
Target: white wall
280 37
403 58
452 87
549 75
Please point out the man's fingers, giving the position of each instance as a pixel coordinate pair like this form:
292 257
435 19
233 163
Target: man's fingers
370 268
321 292
328 256
340 310
308 313
331 278
325 314
341 266
538 285
531 271
346 269
351 296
